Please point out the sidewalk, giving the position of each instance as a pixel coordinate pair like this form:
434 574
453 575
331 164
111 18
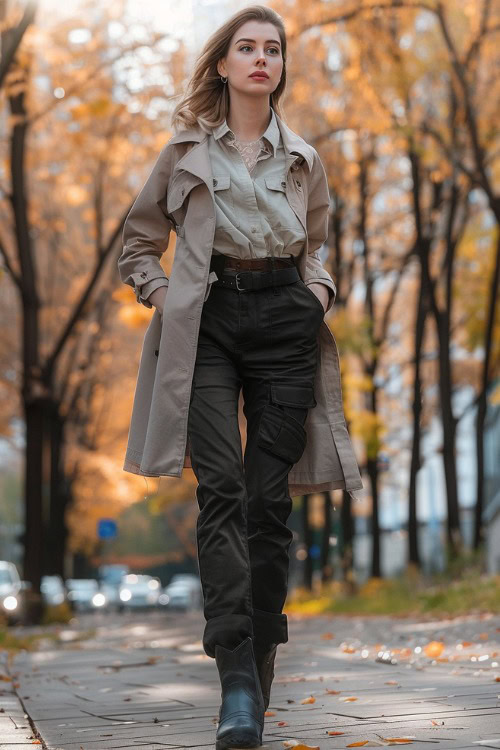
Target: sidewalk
144 682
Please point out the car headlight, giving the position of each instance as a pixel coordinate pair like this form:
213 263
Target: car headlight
10 603
125 595
98 600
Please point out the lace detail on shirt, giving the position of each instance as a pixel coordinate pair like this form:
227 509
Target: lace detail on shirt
249 150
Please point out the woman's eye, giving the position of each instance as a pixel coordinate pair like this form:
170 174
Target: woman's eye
246 46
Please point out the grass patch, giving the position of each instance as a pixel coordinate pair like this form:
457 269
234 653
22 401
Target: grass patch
405 595
57 613
10 641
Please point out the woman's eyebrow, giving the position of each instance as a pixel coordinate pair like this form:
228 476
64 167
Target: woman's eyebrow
274 41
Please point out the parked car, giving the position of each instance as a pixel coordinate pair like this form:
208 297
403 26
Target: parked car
11 588
53 590
111 578
139 592
84 594
184 592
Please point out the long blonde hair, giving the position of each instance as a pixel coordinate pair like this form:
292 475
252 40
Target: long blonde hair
206 101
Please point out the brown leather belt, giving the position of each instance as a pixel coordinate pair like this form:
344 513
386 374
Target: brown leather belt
251 264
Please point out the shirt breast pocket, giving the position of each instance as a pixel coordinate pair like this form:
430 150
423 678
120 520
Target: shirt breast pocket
278 208
224 193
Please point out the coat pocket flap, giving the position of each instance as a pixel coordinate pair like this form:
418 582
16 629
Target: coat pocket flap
180 188
293 394
276 183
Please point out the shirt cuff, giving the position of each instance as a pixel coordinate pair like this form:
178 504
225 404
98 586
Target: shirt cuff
331 290
149 287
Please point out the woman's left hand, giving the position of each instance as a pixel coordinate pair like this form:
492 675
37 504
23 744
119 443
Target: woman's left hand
321 292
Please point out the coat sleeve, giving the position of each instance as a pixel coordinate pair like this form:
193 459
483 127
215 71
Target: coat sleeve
146 232
317 228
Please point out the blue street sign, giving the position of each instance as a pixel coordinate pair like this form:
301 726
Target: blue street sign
314 551
106 528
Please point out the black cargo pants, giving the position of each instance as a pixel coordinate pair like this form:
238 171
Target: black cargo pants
264 342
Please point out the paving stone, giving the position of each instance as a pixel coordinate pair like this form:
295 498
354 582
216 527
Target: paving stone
145 682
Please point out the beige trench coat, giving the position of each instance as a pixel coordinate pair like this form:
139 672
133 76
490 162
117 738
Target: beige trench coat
179 195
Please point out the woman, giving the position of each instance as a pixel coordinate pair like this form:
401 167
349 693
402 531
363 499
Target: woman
243 311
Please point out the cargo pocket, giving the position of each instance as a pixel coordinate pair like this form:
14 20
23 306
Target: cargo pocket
281 434
280 430
298 395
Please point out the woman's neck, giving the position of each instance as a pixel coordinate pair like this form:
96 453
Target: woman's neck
248 123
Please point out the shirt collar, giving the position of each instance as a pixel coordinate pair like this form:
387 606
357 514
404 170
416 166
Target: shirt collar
272 133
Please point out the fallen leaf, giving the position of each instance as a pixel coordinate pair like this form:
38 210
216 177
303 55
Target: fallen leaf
434 648
327 636
299 745
334 734
349 650
270 713
309 700
391 682
333 692
349 699
282 723
398 740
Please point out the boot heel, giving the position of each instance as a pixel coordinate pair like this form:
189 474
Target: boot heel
241 715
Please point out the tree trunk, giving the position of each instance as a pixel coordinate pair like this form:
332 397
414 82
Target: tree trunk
57 533
307 537
482 402
413 551
347 556
372 471
326 568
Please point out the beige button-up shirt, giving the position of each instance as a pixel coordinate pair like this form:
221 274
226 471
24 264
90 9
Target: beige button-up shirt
253 216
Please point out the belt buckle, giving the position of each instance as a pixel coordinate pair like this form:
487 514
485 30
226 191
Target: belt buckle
237 287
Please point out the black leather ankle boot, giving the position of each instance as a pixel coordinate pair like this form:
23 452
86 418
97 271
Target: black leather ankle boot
264 659
241 715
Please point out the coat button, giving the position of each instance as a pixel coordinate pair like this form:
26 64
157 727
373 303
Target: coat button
283 184
298 183
182 191
215 182
143 274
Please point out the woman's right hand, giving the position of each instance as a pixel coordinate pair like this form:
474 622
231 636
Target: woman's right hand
157 298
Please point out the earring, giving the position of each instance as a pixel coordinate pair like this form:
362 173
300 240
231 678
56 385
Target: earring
224 80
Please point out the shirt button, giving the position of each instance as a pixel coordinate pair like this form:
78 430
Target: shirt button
283 184
215 182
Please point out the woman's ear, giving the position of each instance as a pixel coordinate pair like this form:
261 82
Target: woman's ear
220 65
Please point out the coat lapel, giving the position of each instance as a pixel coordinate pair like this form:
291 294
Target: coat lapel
197 160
